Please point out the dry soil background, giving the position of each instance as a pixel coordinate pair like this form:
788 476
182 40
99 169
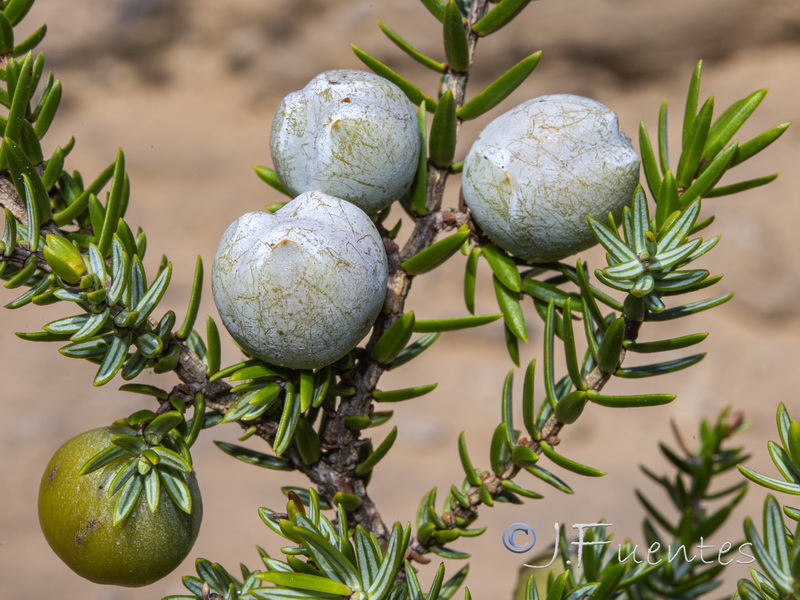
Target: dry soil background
188 90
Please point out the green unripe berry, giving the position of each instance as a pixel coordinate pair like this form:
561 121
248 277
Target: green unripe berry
76 514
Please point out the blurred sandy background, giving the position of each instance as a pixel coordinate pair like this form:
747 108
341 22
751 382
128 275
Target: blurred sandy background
188 90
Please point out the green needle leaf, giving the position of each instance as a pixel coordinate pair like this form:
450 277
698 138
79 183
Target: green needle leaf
589 333
114 359
627 270
436 8
709 178
127 499
466 463
649 164
101 459
134 366
570 407
245 371
270 177
328 558
568 464
177 489
47 110
418 56
194 301
764 551
792 442
470 277
24 274
214 352
97 266
171 459
673 235
413 350
499 16
501 88
508 301
114 208
8 243
254 457
30 42
667 200
549 353
153 296
678 280
91 326
784 462
507 408
436 254
522 456
546 292
611 242
53 168
456 47
40 336
664 345
31 189
394 339
729 123
390 565
694 144
403 394
305 581
161 426
306 389
77 206
454 324
663 143
742 186
588 294
444 132
16 10
369 463
19 101
367 555
288 422
549 478
686 252
661 368
690 110
528 407
641 220
308 443
611 346
419 187
570 350
498 449
6 35
414 94
629 401
147 390
688 309
38 290
512 344
770 482
504 268
758 143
